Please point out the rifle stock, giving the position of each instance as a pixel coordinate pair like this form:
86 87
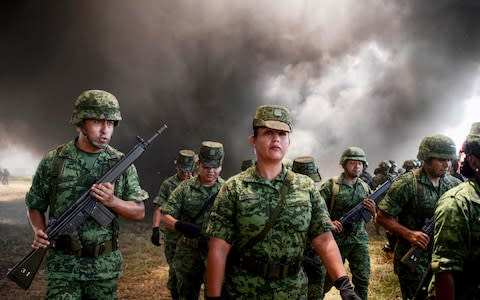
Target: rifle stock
84 207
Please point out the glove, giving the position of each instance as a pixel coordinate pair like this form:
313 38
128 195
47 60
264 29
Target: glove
155 236
346 289
189 229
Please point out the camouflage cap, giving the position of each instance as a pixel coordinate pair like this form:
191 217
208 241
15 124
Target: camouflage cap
247 163
272 116
96 104
185 160
211 154
306 165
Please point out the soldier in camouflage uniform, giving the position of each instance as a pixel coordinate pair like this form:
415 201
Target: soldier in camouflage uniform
269 267
382 174
184 165
187 211
86 263
409 165
341 194
311 261
456 252
411 200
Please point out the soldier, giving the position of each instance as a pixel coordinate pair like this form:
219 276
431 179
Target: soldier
411 200
184 166
1 175
382 174
5 176
311 261
187 211
409 165
268 214
247 163
341 194
86 263
456 252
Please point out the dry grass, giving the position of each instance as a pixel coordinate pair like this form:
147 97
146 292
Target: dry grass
145 269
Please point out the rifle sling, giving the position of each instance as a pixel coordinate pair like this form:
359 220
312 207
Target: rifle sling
206 204
276 212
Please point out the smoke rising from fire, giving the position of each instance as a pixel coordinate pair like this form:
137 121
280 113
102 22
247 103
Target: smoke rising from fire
375 74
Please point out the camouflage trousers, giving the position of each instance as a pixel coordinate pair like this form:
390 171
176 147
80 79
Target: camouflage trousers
316 273
359 264
75 290
190 265
170 244
409 281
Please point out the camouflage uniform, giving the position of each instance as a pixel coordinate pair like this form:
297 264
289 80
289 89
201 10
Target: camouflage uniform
312 263
96 274
170 237
353 243
185 203
240 212
401 201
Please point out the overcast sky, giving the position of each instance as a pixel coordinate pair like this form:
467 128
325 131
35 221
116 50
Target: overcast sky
375 74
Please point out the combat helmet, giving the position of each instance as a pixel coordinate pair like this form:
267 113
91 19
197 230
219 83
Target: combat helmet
436 146
96 104
353 153
409 164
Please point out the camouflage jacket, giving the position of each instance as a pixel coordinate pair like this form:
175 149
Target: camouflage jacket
457 238
187 200
167 186
411 203
244 205
72 182
348 197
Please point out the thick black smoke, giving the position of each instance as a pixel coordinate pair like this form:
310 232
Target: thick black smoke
375 74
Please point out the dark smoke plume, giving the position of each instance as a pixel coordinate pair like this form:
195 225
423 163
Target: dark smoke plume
375 74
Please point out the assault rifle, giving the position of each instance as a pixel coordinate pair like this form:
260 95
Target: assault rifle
84 207
412 256
359 211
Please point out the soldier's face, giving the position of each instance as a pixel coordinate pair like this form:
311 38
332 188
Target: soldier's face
438 167
208 176
354 167
270 144
183 175
96 133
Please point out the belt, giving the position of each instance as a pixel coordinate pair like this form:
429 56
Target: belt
190 242
270 271
104 247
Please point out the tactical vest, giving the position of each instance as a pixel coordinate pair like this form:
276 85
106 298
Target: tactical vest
336 190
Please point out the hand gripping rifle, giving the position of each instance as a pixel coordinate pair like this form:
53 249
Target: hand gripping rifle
359 211
412 256
84 207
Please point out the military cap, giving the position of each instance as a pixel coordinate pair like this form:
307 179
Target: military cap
272 116
247 163
306 165
211 154
185 160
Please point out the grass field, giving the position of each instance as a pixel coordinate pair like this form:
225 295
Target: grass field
145 268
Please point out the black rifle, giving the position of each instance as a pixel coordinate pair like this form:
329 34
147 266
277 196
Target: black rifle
359 211
84 207
412 256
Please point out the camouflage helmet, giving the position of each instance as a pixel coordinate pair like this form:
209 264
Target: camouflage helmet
353 153
306 165
96 104
211 154
272 116
472 143
409 164
185 160
436 146
385 165
247 163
